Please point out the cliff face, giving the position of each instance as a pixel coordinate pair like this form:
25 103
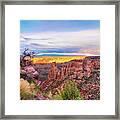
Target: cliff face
84 72
75 69
52 77
27 70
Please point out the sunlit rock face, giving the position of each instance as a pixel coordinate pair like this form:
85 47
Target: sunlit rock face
56 59
84 72
28 71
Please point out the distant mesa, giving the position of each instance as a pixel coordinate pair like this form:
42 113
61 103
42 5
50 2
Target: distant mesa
57 59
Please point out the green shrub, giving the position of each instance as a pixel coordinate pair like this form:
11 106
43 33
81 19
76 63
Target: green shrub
70 92
26 96
57 97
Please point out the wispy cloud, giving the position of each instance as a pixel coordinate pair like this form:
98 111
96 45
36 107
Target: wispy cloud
84 41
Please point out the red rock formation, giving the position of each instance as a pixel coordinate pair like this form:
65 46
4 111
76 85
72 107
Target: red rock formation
77 70
53 72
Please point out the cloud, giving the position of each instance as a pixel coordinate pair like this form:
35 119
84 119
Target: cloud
92 51
86 41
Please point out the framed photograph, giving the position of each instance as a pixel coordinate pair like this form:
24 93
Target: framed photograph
60 60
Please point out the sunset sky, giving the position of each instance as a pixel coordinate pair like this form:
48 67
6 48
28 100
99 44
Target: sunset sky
60 37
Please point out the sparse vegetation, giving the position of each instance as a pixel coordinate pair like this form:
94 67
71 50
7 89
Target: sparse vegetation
59 81
70 92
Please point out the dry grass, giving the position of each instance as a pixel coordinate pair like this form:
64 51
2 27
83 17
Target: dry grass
26 89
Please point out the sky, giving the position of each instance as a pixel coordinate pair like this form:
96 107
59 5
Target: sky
60 37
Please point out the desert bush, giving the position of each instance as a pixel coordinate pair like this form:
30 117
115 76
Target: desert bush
26 90
57 97
70 91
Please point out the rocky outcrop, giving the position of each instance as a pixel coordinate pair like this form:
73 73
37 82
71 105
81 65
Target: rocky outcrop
76 69
84 72
53 76
27 71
